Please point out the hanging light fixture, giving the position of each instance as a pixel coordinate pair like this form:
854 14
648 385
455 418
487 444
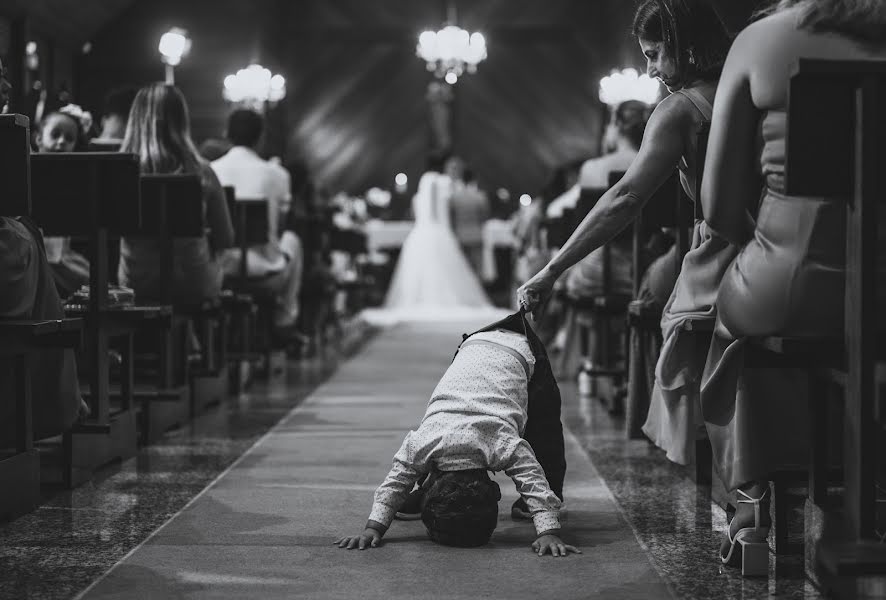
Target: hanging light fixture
451 51
174 45
626 85
254 86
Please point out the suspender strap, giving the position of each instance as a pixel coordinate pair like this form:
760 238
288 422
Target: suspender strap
701 103
510 351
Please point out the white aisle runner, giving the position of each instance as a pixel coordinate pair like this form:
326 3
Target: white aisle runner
265 528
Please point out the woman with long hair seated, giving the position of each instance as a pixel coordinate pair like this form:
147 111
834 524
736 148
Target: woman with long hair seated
159 132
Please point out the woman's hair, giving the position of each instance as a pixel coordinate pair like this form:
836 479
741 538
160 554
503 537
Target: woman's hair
863 19
630 120
461 508
159 131
691 32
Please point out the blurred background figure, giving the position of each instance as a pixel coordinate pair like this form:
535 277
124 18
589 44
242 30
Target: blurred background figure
470 209
117 105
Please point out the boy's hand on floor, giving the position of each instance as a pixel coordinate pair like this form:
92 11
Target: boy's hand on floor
555 545
368 539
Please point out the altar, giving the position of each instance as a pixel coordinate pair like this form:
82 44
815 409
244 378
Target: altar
386 235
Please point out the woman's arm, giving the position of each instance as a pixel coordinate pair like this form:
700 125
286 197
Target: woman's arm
221 231
659 154
730 177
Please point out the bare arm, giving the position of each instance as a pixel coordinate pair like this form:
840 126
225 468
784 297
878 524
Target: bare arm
659 154
730 177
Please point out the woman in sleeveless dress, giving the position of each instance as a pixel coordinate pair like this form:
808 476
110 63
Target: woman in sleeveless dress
685 45
788 278
433 279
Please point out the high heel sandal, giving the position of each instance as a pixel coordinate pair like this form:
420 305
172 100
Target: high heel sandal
749 547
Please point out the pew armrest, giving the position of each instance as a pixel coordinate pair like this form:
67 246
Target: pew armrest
19 336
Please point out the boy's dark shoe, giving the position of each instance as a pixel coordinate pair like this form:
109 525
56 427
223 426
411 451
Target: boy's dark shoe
411 509
520 512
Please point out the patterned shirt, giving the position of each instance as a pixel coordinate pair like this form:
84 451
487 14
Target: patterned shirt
474 420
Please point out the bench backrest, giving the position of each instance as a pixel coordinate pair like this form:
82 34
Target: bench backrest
249 217
15 166
667 208
73 194
172 205
836 147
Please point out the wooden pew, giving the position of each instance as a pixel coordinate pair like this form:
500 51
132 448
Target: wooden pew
667 209
836 147
355 292
596 313
20 468
87 195
171 208
250 220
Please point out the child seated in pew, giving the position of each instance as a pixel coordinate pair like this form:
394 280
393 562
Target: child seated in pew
159 132
473 424
64 130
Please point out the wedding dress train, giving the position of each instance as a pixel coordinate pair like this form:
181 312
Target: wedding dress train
433 279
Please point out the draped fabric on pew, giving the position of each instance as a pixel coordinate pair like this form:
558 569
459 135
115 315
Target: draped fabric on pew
645 344
29 293
674 419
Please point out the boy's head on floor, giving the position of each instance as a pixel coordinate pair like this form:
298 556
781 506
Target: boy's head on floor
461 508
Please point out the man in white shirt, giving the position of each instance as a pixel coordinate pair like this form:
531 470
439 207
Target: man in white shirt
275 266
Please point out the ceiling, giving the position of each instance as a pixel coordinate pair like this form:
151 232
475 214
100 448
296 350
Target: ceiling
355 108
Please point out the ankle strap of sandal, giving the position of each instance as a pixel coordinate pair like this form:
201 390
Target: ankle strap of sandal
755 501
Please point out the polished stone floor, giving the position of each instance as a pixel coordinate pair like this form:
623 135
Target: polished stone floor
679 527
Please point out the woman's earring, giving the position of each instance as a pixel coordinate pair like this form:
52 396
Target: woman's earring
691 57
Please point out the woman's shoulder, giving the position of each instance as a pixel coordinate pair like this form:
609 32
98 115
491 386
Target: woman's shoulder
675 111
763 37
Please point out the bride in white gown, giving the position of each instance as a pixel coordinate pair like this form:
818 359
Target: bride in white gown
433 279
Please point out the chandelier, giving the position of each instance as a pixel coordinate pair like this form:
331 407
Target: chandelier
451 51
254 86
628 85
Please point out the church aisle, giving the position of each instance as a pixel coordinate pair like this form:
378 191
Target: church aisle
265 528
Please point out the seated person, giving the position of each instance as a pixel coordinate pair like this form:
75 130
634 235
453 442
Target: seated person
276 266
621 142
585 279
29 293
64 130
159 132
118 103
473 424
